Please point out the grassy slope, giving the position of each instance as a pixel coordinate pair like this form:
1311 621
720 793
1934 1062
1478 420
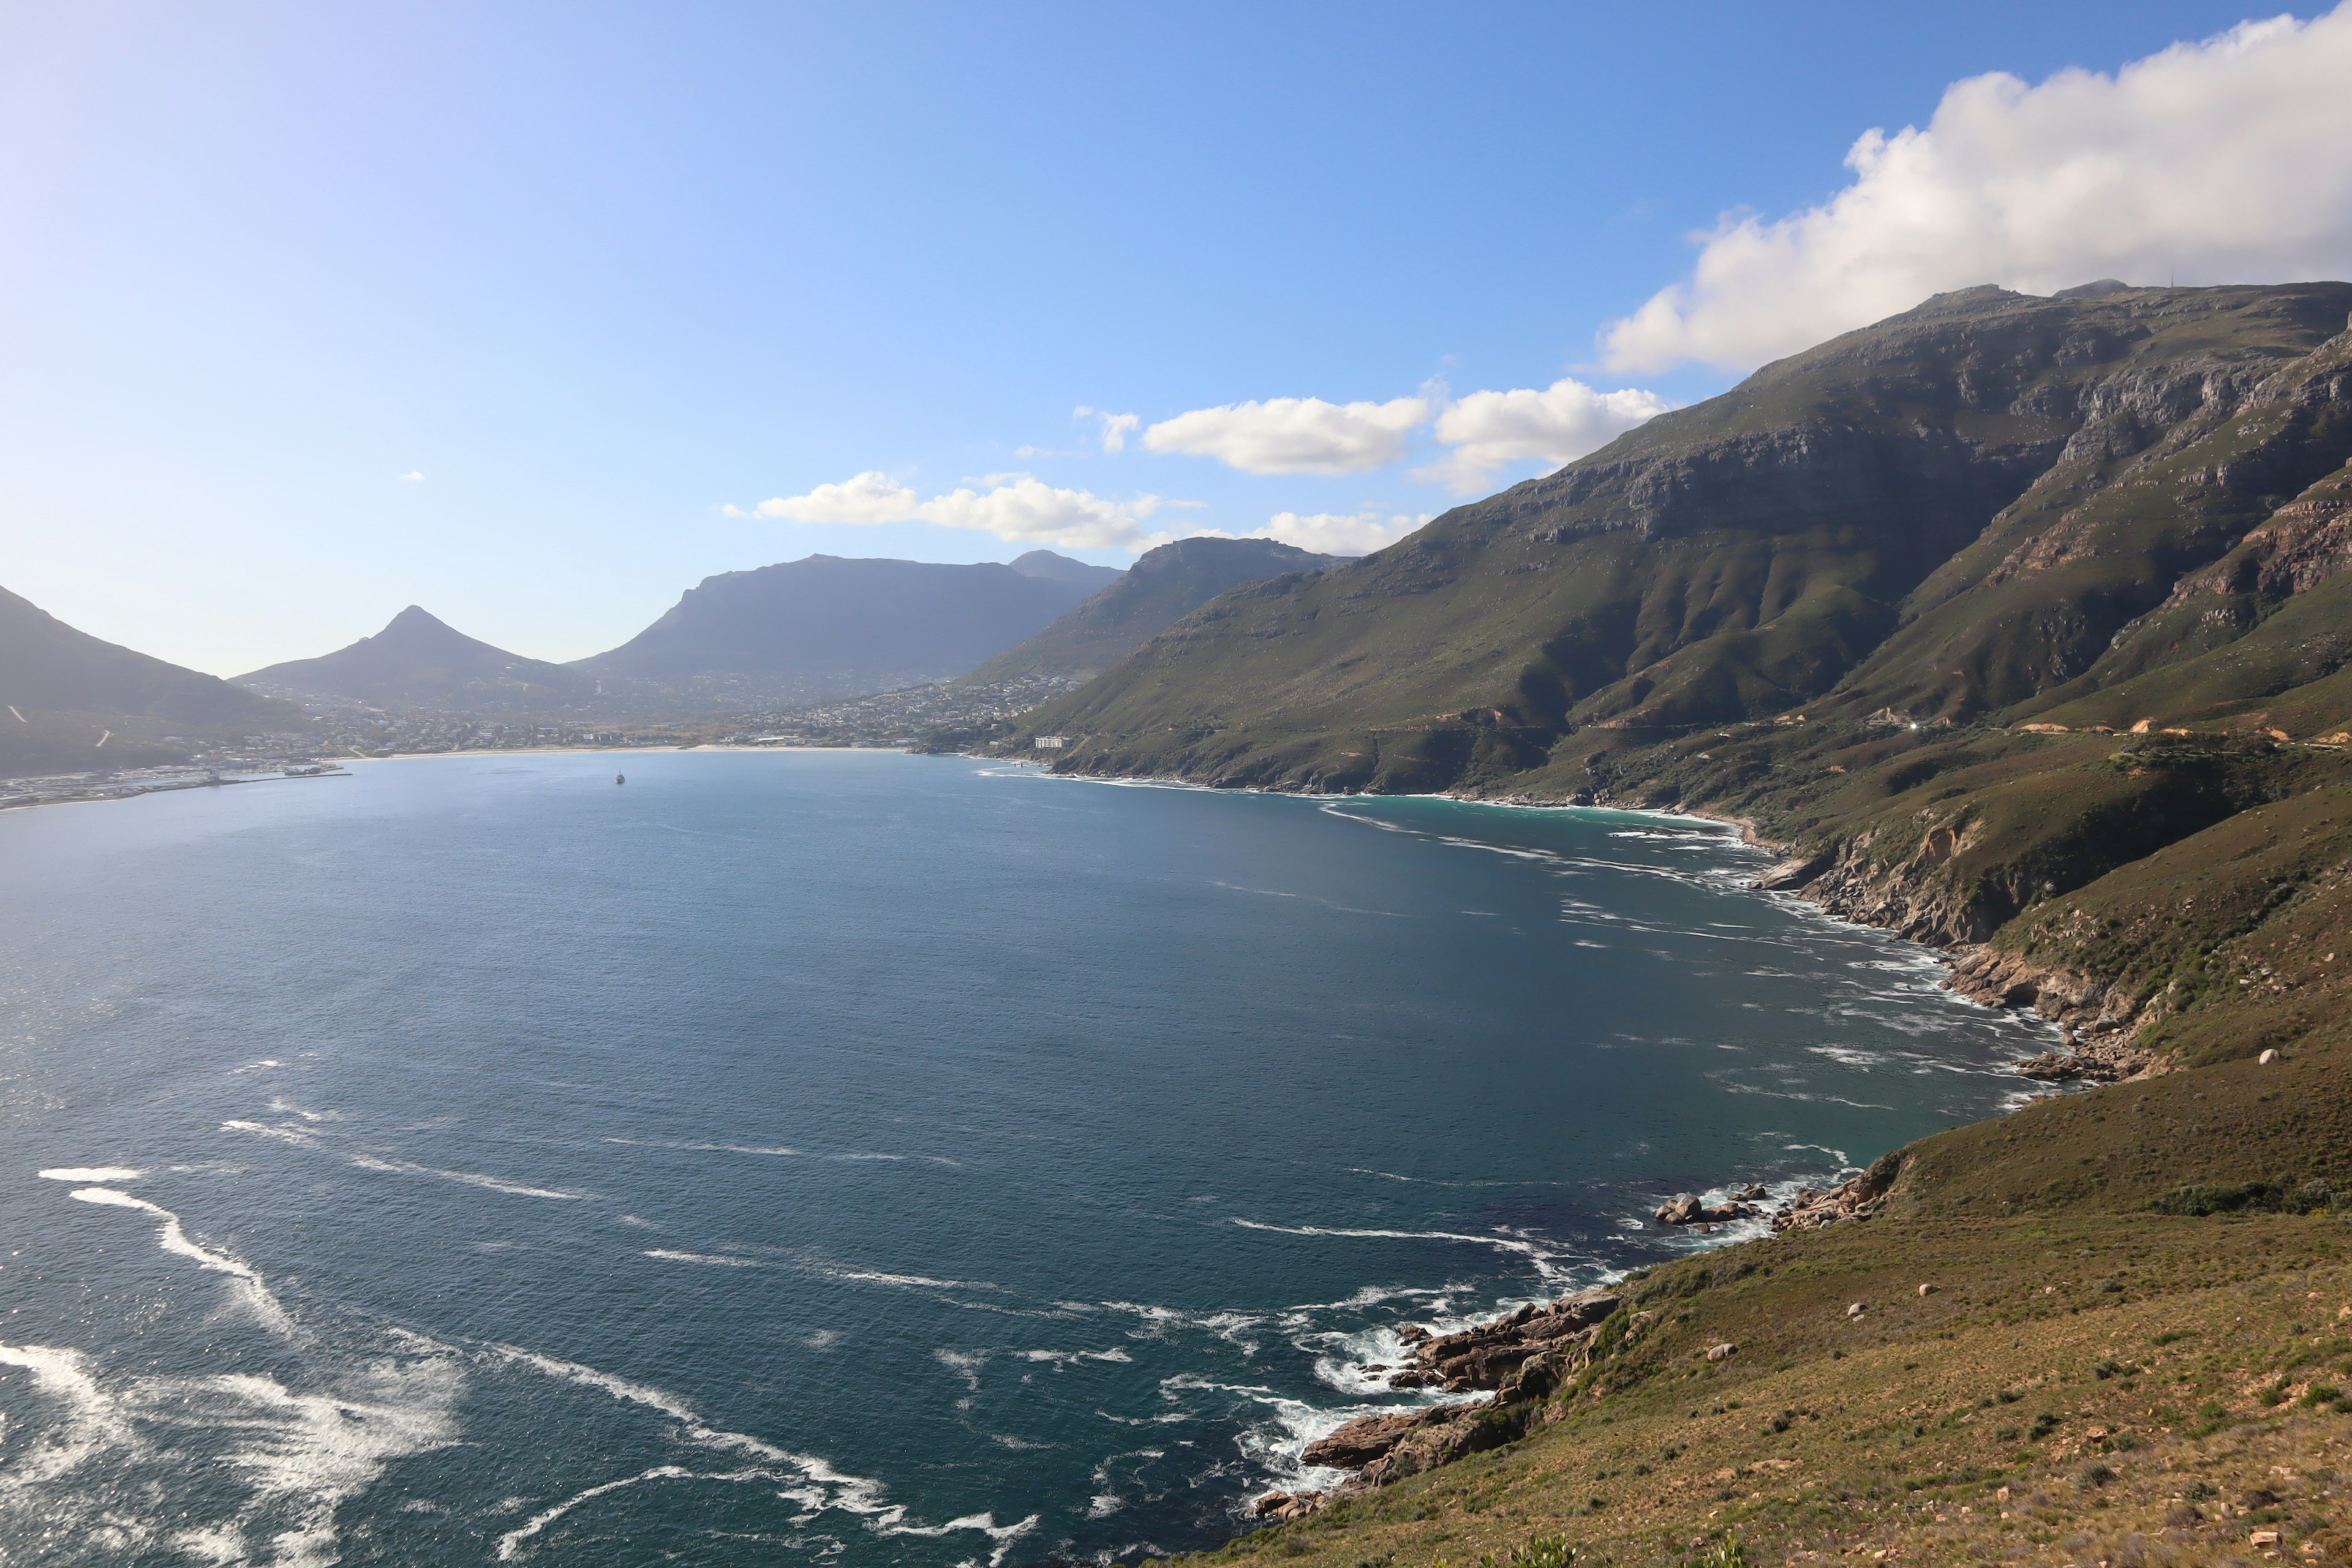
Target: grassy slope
2116 1369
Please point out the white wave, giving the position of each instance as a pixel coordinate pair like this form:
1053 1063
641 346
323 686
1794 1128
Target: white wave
281 1104
469 1178
774 1150
718 1259
1061 1359
917 1281
696 1430
811 1482
172 1237
967 1364
256 1067
92 1173
1505 1243
298 1455
511 1543
300 1137
93 1420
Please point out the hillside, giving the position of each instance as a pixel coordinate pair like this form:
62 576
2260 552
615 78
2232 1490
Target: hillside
419 662
1162 587
2021 626
1953 513
827 627
70 688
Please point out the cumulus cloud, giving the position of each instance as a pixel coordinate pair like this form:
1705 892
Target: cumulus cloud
1017 507
414 477
1116 428
1294 434
1487 430
2228 160
1338 534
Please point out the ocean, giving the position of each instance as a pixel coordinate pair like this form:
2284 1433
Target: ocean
847 1157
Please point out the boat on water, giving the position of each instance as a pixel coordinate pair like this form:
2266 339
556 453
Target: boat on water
620 778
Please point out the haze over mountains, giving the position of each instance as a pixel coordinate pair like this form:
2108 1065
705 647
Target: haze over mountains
806 631
65 689
827 627
1162 587
417 661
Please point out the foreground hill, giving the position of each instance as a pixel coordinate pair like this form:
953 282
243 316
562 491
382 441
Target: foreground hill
2023 625
827 627
419 661
68 689
1162 587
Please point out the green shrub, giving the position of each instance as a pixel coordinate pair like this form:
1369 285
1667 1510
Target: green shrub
1539 1551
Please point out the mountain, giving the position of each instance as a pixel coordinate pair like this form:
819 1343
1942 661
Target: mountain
1162 587
827 627
70 688
419 661
1990 503
1054 568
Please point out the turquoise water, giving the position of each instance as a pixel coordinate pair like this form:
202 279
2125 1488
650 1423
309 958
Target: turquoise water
838 1156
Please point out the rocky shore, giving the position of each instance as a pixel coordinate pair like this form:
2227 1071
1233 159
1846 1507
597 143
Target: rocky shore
1521 1359
1525 1360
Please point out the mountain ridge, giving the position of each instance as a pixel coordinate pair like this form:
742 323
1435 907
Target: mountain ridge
1165 585
828 627
420 661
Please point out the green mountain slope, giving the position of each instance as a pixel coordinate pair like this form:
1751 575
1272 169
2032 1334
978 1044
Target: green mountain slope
1162 587
1955 512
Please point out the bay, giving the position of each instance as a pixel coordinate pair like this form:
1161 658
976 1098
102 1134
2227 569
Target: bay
846 1156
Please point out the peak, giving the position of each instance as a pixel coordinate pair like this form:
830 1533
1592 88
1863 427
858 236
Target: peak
415 615
2094 290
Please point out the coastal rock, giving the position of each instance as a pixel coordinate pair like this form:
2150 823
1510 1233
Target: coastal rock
1688 1210
1367 1437
1853 1200
1481 1358
1279 1508
2101 1024
1794 873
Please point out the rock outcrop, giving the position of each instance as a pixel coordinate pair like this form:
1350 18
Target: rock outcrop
1523 1358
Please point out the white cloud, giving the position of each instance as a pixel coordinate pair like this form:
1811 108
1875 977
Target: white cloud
870 497
2224 161
1559 423
1017 507
1116 428
1338 534
1294 434
412 477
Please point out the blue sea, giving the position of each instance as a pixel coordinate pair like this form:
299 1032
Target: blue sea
846 1157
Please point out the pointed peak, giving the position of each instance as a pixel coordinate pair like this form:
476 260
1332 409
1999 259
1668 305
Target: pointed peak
415 615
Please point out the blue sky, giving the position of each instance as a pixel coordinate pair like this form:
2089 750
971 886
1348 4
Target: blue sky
599 274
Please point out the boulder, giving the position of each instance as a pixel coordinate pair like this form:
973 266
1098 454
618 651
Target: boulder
1367 1437
1722 1351
1281 1507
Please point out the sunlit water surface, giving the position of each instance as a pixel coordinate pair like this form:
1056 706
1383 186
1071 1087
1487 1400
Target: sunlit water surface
844 1157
